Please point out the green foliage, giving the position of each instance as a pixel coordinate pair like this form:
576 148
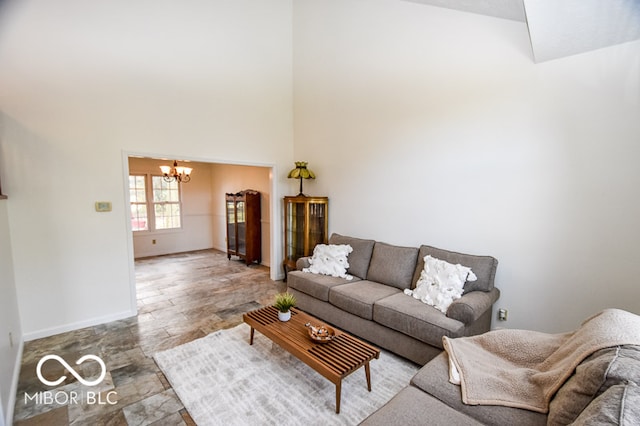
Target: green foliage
284 301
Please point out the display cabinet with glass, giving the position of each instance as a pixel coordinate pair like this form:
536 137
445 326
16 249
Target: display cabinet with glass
244 238
306 225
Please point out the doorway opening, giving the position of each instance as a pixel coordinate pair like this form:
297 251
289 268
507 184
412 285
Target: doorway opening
202 215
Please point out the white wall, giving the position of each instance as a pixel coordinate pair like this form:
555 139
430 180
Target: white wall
205 80
10 350
428 125
71 263
227 178
424 125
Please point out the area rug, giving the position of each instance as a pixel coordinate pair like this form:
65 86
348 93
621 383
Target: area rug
222 380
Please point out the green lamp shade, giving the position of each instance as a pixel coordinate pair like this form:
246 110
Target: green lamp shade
301 172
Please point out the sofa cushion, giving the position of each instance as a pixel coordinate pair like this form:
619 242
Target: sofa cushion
360 257
315 285
358 298
412 407
392 265
598 372
483 266
413 318
618 405
433 379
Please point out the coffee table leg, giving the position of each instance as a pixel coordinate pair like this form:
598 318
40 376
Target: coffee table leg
338 390
367 371
251 336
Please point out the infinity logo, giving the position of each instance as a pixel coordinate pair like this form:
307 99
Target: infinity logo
71 370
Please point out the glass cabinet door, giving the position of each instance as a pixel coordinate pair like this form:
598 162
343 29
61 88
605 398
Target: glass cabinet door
295 227
306 225
231 225
317 225
242 227
244 231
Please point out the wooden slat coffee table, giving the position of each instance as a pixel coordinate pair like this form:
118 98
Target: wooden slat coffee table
334 360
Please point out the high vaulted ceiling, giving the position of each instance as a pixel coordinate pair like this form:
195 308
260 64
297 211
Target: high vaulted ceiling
507 9
559 28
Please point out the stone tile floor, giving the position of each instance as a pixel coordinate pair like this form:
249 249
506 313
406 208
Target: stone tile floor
181 297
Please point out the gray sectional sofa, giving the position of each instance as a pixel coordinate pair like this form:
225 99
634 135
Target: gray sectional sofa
603 390
374 307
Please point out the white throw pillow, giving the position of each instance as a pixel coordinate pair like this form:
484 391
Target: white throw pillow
331 260
441 283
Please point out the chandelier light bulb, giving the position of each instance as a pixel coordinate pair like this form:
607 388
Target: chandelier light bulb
176 173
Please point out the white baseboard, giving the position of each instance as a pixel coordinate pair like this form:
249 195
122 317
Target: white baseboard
11 402
77 325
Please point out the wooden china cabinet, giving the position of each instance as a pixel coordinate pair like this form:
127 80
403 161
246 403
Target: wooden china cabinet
244 237
306 224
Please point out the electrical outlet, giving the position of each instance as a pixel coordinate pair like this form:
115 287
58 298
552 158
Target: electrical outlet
502 314
10 339
153 241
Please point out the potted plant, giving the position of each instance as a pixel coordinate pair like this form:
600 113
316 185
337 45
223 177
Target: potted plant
283 303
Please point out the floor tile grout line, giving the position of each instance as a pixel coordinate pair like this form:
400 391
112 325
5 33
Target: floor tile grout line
225 281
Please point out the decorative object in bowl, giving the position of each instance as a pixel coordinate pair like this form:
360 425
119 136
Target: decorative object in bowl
320 334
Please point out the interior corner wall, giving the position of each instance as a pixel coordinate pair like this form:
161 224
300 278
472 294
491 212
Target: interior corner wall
229 178
432 126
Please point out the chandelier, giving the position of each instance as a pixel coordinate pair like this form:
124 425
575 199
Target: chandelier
175 173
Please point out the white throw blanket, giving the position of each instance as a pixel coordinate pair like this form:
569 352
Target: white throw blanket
524 369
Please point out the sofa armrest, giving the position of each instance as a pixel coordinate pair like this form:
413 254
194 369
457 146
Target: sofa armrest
303 262
472 305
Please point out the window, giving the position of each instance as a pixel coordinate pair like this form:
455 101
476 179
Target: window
161 198
166 203
138 197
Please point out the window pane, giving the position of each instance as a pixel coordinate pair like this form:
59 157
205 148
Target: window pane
137 189
165 207
137 195
139 217
167 215
173 195
165 191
